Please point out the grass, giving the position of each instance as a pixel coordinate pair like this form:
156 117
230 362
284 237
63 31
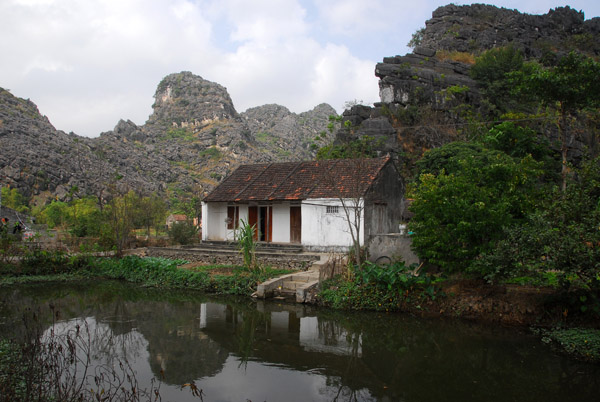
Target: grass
462 57
148 272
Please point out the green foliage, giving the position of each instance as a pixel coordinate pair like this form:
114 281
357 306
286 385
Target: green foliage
570 85
41 261
12 198
517 141
160 272
184 232
264 137
562 235
364 147
212 153
382 288
247 246
583 343
460 212
416 38
491 70
394 276
178 133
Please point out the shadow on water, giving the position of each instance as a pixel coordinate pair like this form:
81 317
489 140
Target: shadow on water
237 349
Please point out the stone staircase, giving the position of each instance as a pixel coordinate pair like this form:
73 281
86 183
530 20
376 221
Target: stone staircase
293 287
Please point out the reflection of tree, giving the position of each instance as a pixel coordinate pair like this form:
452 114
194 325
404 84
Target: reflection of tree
389 357
245 332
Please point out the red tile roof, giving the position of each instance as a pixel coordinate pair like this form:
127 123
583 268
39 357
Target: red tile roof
299 180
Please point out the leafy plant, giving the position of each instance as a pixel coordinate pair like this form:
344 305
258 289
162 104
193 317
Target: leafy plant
246 245
183 232
463 198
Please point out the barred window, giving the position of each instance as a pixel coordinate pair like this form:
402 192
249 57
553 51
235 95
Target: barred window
332 209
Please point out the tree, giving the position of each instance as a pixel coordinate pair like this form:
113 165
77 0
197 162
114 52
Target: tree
491 71
568 87
120 214
561 236
462 204
416 38
183 232
150 212
12 198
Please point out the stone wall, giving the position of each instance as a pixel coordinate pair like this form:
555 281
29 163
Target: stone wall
395 246
297 262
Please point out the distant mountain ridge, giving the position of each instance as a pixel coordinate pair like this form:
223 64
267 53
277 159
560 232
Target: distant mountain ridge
193 138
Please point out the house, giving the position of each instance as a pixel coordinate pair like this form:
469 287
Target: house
309 203
175 218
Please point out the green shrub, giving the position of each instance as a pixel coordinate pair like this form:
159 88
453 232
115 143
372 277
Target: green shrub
183 232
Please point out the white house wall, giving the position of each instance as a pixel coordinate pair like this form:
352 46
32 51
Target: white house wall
322 230
213 221
281 223
214 225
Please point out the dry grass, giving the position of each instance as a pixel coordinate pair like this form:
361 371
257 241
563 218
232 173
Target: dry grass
461 57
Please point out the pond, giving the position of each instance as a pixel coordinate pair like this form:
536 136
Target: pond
239 349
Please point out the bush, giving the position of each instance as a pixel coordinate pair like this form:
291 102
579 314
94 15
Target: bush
459 214
563 236
183 232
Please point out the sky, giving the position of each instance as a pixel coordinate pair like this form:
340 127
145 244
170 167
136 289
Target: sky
87 64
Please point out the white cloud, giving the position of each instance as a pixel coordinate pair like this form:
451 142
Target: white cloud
88 64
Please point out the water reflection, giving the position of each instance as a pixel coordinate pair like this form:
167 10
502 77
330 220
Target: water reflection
238 349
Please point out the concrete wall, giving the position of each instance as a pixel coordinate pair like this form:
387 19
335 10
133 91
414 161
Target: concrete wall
213 221
327 231
215 227
392 245
281 223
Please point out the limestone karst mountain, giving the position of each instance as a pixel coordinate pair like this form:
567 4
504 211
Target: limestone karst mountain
193 138
428 97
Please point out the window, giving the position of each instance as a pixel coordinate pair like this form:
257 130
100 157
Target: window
332 209
233 217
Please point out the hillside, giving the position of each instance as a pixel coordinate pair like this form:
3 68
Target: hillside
193 138
429 97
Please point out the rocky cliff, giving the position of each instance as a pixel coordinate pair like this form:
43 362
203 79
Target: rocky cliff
422 93
193 138
480 27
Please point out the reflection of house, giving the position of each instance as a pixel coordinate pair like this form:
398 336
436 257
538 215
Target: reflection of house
309 203
174 218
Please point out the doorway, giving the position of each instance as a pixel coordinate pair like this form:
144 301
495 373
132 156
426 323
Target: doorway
295 225
262 217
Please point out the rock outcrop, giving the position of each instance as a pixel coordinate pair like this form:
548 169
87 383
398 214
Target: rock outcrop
193 138
422 93
481 27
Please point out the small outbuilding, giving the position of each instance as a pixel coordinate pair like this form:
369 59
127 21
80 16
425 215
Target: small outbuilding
312 203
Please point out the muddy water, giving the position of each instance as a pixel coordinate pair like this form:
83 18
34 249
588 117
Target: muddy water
238 349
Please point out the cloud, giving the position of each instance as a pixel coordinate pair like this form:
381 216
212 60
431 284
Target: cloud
87 64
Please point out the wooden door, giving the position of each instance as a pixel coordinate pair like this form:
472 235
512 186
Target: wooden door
269 224
295 225
253 220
